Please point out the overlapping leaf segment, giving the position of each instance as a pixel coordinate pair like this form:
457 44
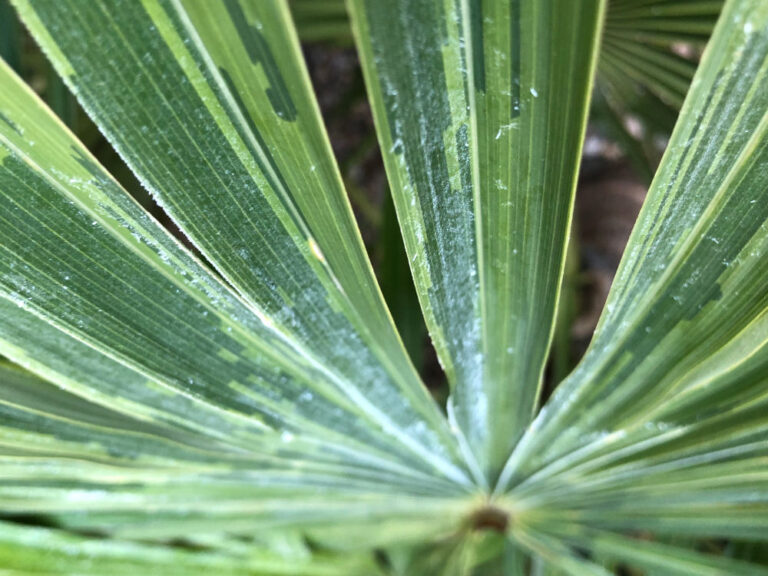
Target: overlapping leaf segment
267 388
647 60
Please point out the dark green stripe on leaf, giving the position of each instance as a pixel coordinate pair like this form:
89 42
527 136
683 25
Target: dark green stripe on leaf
260 53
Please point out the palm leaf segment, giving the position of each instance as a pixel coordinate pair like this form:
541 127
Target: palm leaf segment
647 61
266 387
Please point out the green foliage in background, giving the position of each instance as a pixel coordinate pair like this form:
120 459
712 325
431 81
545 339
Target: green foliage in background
244 404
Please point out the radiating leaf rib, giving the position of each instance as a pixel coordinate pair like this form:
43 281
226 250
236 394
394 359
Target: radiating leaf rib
715 412
709 517
47 435
33 426
53 462
427 222
713 478
82 288
27 280
228 140
662 428
690 285
273 496
58 357
656 557
557 555
480 111
32 550
150 506
346 522
525 166
94 469
39 417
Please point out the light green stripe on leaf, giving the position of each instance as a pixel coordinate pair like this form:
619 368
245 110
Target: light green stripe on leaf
480 116
657 558
31 550
691 285
226 136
